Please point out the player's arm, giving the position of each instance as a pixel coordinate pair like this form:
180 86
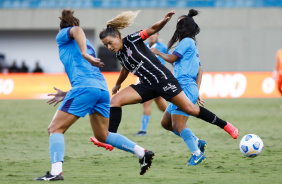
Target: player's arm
171 58
78 34
157 26
198 82
122 76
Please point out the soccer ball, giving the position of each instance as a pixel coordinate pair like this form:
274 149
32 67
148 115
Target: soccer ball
251 145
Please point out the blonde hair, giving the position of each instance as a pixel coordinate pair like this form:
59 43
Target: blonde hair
121 21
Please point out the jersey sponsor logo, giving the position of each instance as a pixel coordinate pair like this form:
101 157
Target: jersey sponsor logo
170 86
137 67
129 52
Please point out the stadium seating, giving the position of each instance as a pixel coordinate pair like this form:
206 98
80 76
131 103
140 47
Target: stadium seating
23 4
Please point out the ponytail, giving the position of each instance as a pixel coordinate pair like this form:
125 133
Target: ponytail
67 19
121 21
185 27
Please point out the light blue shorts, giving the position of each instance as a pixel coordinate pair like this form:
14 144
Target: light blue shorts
191 91
80 101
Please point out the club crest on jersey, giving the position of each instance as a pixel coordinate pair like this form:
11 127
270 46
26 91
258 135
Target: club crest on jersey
129 52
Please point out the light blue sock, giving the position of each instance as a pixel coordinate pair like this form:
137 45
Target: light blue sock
196 138
145 122
176 133
57 147
188 137
120 142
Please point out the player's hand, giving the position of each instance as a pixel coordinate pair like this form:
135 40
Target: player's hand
115 89
58 97
155 51
93 61
200 101
97 62
169 15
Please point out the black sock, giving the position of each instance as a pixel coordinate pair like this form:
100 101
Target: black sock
210 117
115 118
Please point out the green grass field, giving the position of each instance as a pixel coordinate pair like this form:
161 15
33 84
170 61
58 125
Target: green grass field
24 146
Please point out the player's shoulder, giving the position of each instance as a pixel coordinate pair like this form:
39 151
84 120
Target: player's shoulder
64 34
134 35
187 40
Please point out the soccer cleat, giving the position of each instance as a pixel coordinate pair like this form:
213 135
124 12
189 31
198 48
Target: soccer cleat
229 128
50 177
195 160
98 143
141 133
202 144
146 161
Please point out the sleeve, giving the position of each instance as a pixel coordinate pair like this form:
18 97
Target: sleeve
138 36
64 36
182 47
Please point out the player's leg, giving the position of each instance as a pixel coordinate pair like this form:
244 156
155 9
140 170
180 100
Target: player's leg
100 124
60 123
161 103
126 96
183 103
145 118
166 121
179 124
167 124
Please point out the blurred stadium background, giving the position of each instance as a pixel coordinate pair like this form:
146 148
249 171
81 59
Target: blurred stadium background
236 35
237 45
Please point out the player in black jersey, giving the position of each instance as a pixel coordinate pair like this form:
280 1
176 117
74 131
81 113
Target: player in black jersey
155 79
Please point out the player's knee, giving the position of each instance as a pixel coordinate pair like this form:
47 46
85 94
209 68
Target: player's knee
50 130
192 110
115 102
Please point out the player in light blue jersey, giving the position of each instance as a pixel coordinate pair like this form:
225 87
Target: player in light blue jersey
88 95
188 72
161 103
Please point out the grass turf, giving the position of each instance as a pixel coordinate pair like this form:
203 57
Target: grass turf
24 146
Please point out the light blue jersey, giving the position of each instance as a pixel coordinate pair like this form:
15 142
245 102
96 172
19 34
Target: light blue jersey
161 47
89 92
186 67
80 72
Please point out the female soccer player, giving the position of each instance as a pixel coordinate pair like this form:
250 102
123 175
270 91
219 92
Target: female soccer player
89 94
155 79
161 103
188 72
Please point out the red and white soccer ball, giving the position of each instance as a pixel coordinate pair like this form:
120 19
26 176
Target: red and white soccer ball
251 145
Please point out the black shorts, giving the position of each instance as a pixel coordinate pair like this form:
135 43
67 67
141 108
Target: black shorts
167 88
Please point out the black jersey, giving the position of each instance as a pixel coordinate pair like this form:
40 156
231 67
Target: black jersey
137 58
